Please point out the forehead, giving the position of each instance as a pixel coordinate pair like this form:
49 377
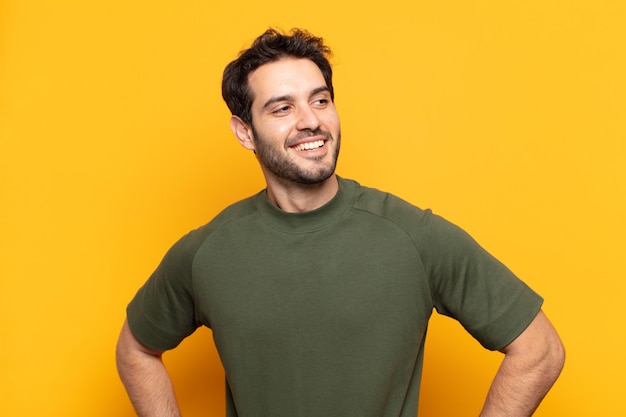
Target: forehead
286 77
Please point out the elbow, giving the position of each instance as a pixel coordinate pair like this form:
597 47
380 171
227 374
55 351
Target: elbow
550 348
556 357
554 360
550 359
538 350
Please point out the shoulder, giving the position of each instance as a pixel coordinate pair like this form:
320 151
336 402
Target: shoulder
386 205
236 212
427 229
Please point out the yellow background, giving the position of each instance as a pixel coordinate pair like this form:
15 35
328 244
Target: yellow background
507 117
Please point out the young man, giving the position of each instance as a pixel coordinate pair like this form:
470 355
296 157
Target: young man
318 290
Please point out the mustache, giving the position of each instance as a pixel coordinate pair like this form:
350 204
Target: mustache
307 134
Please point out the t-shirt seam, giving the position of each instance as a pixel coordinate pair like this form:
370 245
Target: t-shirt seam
412 240
514 299
164 334
267 220
201 243
509 306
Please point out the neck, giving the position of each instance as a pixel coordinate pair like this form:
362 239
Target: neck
298 198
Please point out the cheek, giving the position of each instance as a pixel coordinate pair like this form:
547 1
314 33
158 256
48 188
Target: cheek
274 131
332 122
280 132
283 129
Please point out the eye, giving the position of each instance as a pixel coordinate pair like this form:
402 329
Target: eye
281 110
321 102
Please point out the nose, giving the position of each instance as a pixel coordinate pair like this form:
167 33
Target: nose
307 119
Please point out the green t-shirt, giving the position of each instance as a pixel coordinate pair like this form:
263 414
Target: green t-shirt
324 313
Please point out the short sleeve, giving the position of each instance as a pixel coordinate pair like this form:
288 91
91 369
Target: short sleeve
162 313
471 286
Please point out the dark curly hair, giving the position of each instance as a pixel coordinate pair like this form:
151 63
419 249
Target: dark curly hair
269 47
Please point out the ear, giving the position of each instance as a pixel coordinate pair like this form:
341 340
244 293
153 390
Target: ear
243 132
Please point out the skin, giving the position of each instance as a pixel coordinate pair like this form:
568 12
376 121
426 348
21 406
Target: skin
144 375
531 365
292 107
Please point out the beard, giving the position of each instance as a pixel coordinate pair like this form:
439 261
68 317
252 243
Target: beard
279 164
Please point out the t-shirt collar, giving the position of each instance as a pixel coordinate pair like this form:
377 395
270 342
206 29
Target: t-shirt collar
308 221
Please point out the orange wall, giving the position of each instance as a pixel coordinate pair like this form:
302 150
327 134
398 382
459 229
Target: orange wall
505 117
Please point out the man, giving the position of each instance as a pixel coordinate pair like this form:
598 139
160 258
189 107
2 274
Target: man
318 290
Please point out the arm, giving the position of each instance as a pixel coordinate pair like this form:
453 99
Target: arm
144 375
531 364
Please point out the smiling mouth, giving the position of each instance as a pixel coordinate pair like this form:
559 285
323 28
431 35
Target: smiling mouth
309 146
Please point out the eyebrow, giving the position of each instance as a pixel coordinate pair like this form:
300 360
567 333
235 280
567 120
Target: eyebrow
287 97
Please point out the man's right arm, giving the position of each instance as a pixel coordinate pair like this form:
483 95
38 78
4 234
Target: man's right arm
144 375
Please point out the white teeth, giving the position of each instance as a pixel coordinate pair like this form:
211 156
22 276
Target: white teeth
309 145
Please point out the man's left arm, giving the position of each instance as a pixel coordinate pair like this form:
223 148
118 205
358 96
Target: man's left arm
532 362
